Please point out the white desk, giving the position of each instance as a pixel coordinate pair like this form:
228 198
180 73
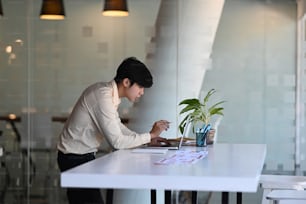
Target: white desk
227 168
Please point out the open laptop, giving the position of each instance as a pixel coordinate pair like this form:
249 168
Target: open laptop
174 144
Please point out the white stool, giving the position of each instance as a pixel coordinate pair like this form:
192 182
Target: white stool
280 182
287 196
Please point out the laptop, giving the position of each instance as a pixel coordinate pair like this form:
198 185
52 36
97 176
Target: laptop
174 144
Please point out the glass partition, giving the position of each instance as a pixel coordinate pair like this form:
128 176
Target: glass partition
45 65
244 49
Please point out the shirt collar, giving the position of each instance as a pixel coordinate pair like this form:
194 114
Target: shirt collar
116 99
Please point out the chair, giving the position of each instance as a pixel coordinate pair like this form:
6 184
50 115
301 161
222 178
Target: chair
271 182
287 196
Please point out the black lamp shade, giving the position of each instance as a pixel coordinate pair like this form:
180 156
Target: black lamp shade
1 11
115 8
52 10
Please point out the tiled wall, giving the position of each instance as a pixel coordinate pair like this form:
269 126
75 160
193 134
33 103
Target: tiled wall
254 63
51 62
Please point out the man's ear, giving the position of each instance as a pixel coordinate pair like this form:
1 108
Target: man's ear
126 82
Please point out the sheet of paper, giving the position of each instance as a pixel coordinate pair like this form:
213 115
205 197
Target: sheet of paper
183 157
150 151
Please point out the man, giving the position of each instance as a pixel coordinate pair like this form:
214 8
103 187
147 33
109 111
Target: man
95 118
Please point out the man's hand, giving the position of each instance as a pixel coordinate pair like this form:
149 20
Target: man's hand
159 127
158 142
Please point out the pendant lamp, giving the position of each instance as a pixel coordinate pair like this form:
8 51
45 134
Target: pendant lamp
115 8
52 10
1 11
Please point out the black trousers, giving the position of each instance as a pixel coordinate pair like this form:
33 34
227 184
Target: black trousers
79 195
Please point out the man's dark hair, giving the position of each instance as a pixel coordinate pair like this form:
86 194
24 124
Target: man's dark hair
135 71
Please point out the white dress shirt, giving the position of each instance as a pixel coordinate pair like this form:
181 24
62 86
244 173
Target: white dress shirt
95 117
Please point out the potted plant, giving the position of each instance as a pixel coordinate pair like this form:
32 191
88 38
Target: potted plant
199 112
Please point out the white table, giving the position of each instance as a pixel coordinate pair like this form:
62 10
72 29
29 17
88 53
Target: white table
227 168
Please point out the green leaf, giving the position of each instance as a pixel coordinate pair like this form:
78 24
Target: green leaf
209 93
183 124
192 101
215 106
187 108
216 111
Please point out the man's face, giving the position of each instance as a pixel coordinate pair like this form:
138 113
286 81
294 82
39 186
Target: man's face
134 92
